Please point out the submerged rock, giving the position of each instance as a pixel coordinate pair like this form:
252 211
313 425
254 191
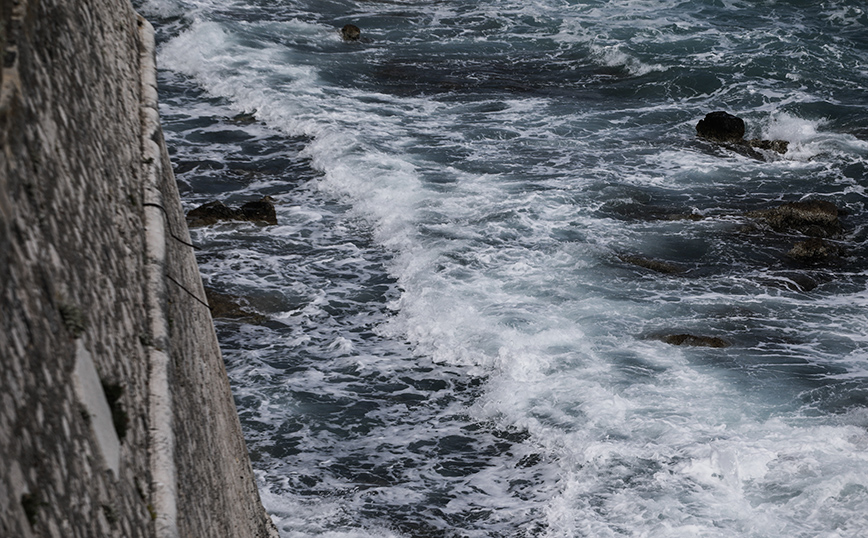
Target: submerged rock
224 306
653 265
261 210
793 281
351 32
693 340
815 250
816 218
640 211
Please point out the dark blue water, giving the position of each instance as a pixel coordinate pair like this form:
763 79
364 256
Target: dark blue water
493 219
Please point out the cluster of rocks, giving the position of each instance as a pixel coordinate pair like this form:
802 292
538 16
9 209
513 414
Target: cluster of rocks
815 224
261 210
222 305
817 221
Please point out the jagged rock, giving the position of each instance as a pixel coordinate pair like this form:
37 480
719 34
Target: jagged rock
721 126
653 265
693 340
815 250
351 32
212 212
816 218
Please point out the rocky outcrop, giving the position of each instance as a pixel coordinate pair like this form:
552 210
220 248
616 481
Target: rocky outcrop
724 128
116 416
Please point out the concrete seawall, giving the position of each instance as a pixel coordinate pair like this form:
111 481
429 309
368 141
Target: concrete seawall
116 417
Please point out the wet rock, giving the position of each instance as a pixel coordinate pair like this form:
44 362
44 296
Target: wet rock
816 218
778 146
815 250
802 282
351 32
261 210
210 213
727 129
224 306
694 340
653 265
721 126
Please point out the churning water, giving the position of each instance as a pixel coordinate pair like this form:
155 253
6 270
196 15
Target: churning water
491 214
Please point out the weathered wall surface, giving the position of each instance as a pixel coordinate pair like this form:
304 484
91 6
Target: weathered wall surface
115 412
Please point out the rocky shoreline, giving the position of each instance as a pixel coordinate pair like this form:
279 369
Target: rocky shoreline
808 236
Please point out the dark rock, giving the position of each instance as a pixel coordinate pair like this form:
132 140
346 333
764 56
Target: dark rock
793 281
725 128
351 32
815 250
816 218
262 209
721 126
693 340
212 212
779 146
803 282
224 306
653 265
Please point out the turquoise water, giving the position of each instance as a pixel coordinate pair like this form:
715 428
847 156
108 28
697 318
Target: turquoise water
458 343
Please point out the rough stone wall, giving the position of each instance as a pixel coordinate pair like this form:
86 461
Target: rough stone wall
209 446
81 407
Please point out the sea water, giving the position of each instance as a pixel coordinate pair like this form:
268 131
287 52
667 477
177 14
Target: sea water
453 335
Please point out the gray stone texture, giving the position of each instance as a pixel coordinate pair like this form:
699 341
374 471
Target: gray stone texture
75 274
